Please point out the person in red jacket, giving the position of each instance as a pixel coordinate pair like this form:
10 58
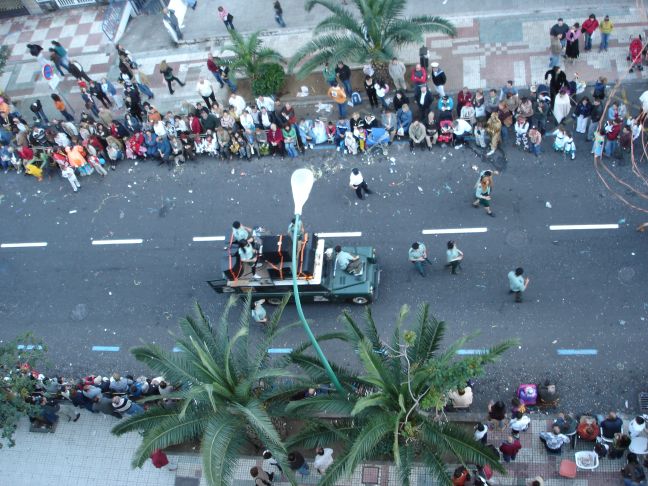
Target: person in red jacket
194 125
612 131
635 58
160 459
588 28
464 96
419 78
510 448
276 140
214 69
460 477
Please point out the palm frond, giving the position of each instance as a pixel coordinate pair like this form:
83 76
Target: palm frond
340 22
433 25
145 421
370 330
257 418
369 436
375 370
449 438
168 432
377 400
436 466
221 445
173 366
322 405
405 460
317 432
429 336
315 370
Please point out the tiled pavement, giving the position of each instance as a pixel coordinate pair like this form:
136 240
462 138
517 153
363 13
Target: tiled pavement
487 52
85 453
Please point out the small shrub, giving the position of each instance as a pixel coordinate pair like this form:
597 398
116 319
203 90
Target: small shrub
269 81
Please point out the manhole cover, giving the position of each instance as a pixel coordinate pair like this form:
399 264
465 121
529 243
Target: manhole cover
184 481
370 475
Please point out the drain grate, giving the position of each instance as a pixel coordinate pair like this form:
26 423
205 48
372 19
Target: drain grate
643 402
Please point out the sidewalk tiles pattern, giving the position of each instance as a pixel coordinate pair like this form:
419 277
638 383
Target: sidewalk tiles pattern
86 453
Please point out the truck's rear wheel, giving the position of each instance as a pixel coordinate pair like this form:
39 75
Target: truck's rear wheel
227 290
360 300
274 300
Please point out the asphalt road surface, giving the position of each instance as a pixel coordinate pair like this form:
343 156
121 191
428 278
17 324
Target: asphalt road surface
587 291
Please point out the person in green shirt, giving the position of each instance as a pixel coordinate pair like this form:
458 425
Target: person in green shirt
606 27
347 262
259 313
418 256
454 256
517 283
329 74
240 232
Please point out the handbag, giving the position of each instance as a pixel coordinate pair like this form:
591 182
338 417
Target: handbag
230 17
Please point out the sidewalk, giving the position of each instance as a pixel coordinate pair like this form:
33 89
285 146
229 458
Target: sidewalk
87 453
487 51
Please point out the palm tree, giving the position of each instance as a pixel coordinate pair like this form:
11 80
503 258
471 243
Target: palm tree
219 400
394 410
249 54
372 34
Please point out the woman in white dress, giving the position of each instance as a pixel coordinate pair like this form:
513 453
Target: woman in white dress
562 106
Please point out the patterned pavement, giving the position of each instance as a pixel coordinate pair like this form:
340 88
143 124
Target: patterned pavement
487 52
88 441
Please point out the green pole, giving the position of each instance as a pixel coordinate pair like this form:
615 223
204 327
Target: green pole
300 312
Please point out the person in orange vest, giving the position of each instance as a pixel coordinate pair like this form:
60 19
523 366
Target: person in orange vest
337 94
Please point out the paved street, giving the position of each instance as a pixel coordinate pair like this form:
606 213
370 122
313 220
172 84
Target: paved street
586 290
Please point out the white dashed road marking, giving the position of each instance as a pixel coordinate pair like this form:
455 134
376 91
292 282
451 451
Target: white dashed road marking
452 231
37 244
135 241
208 238
339 235
565 227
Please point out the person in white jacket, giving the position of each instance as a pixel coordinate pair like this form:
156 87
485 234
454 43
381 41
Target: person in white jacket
68 172
521 131
323 459
206 92
238 103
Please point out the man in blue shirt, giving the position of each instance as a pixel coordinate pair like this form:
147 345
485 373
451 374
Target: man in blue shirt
418 256
241 232
347 262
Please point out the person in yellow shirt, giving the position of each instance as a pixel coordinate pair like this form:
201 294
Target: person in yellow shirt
606 28
338 95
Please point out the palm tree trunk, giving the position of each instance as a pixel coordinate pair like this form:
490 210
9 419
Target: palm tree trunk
381 70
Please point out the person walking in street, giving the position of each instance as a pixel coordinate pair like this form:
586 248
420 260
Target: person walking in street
97 92
143 83
454 257
357 182
509 448
261 477
323 459
517 283
110 92
169 16
417 255
296 462
213 68
397 72
206 92
343 73
278 13
588 29
169 77
606 27
56 59
60 106
37 109
483 192
160 460
63 54
560 28
438 78
226 17
77 71
337 94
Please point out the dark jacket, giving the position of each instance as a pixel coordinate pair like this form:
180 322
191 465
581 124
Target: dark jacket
427 101
438 78
297 462
596 112
343 72
210 122
611 427
556 81
398 103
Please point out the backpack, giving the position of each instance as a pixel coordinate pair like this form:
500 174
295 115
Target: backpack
355 98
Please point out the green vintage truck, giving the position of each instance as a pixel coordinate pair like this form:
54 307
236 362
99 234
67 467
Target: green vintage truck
318 277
